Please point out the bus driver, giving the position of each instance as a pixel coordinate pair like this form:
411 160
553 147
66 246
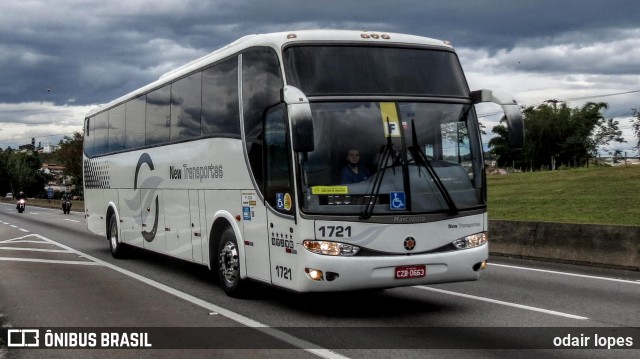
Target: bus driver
353 171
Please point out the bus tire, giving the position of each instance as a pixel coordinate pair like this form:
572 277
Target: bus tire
118 249
229 264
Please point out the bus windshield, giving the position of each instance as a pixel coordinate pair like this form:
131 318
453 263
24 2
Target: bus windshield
417 157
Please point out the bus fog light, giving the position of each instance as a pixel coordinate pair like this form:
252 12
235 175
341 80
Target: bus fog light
330 248
474 240
314 274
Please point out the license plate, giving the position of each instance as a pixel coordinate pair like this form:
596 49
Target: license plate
405 272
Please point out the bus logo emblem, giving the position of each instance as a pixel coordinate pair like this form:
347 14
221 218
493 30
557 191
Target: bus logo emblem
409 243
145 158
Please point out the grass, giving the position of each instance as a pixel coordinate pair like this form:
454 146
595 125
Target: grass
598 195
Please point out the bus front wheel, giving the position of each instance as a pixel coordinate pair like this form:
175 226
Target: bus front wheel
229 264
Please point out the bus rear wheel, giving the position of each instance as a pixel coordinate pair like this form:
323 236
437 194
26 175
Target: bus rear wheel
118 249
229 264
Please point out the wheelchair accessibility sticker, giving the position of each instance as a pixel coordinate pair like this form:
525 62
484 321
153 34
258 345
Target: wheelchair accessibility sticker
283 201
397 201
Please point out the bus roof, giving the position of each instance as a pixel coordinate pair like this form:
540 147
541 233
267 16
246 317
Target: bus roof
277 41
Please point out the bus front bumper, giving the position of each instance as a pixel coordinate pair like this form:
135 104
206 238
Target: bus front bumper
356 273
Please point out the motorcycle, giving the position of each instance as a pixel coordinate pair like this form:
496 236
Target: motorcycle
20 205
66 206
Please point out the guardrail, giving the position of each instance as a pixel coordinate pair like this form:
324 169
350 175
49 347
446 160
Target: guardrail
591 244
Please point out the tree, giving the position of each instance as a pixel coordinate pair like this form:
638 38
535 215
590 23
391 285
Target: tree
5 181
559 136
635 125
70 156
499 147
605 132
23 171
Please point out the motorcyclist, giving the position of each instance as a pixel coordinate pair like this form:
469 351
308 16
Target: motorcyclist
66 196
20 196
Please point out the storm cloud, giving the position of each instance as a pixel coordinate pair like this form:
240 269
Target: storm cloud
57 59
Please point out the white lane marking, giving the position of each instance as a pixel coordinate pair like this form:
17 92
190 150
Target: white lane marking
24 240
24 230
565 273
285 337
10 259
13 226
520 306
35 249
71 220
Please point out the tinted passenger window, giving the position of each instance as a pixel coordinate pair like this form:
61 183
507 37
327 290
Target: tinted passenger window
116 129
220 112
277 173
135 114
101 131
186 97
353 70
158 123
89 135
261 85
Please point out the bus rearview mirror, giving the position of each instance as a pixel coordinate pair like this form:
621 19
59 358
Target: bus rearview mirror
301 120
512 113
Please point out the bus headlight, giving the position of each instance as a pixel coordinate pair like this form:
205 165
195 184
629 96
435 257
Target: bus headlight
474 240
330 248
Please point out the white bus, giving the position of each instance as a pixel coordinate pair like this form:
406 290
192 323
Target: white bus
236 160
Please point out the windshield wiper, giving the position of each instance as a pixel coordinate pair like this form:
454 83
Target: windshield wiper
421 158
386 152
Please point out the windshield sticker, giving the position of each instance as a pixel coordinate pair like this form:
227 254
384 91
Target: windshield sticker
283 201
390 120
287 202
397 201
329 190
280 200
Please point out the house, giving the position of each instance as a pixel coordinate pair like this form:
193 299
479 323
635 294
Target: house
57 173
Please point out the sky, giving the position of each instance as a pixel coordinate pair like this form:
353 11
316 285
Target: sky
59 59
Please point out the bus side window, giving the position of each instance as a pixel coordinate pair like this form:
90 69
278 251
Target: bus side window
261 85
101 133
277 167
89 136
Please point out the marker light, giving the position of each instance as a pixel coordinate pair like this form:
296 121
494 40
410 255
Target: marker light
474 240
330 248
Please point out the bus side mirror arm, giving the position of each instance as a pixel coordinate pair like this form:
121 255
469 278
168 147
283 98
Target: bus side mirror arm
299 112
512 113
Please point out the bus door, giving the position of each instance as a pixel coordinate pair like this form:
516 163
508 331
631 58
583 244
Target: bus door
279 197
256 244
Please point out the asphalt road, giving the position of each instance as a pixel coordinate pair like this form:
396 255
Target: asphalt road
55 274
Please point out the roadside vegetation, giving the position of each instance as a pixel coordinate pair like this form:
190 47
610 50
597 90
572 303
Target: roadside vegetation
598 195
22 170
